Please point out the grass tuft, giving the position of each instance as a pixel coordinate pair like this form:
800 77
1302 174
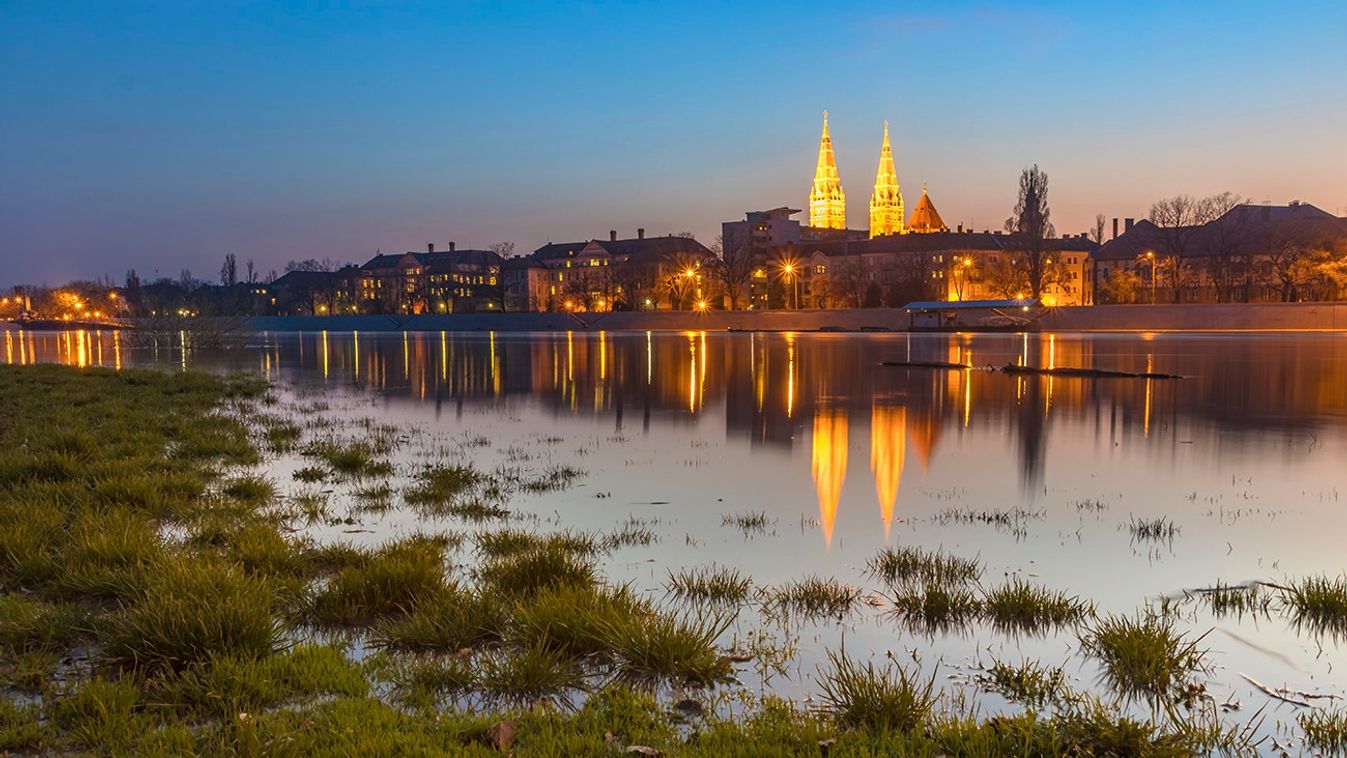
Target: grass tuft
892 698
901 565
813 598
1018 606
1144 658
713 585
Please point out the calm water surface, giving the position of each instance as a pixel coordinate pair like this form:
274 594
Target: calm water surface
1246 456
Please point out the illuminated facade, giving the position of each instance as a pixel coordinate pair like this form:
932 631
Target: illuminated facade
827 202
886 202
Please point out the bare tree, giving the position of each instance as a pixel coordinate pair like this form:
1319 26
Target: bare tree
252 271
733 266
1097 233
1120 286
503 249
1229 261
229 271
1177 220
1031 227
312 264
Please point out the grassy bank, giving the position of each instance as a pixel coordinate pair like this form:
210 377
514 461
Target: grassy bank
159 595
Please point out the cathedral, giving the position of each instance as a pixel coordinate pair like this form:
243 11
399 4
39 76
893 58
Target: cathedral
828 205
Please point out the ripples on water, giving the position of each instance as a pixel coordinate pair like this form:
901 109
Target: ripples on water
1245 457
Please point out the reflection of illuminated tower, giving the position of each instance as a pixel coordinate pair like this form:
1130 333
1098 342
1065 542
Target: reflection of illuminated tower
827 203
829 464
888 450
886 203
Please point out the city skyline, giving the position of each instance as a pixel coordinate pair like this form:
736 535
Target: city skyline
275 134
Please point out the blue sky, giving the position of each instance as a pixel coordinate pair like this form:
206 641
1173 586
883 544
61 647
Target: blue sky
163 135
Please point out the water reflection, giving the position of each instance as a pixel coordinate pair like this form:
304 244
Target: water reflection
777 391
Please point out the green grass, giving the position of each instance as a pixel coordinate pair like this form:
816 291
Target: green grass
933 607
452 619
1030 682
1018 606
528 571
189 611
749 522
352 459
901 565
891 698
665 648
29 626
812 597
1144 657
713 585
310 474
1325 730
393 580
1234 599
1318 603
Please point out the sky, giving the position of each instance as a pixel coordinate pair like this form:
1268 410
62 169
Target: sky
161 136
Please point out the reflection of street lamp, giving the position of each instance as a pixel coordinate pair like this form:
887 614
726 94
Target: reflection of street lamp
788 269
702 306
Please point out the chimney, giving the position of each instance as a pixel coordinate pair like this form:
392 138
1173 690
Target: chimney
451 246
1115 228
430 247
960 228
1127 225
612 235
640 234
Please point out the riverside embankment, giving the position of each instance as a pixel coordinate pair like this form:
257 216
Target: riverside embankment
1102 318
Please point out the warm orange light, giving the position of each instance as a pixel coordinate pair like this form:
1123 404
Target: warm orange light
1050 300
703 306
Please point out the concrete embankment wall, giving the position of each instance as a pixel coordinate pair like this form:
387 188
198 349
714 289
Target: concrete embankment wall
1218 317
1225 317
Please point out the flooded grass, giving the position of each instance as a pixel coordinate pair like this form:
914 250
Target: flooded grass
1233 599
931 607
1144 657
1160 529
812 597
1318 603
897 566
154 604
1030 682
1018 606
713 585
888 698
1325 730
750 523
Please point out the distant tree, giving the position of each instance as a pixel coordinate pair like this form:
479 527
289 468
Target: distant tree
503 249
874 296
312 264
1030 228
1120 286
132 279
1097 233
733 266
229 271
684 234
252 271
1006 278
1291 258
845 283
1229 254
1177 220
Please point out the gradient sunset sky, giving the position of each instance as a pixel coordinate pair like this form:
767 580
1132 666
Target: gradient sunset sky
161 136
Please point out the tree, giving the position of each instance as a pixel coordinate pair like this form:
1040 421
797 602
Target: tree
1229 261
874 296
311 264
1097 233
733 266
1031 227
1120 286
1294 254
252 271
229 271
1177 220
503 249
1006 278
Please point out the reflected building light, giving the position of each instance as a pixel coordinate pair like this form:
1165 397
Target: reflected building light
406 357
9 346
692 375
495 367
967 397
570 357
603 355
649 359
325 356
1146 414
701 378
790 375
182 339
829 465
117 350
888 452
355 351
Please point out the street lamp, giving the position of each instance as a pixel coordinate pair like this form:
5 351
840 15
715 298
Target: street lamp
788 269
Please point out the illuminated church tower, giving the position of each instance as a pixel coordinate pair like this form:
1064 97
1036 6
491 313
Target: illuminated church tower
886 204
827 203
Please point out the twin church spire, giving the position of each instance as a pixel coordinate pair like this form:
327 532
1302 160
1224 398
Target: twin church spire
827 202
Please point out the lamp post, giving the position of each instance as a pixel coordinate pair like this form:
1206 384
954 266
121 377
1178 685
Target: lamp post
1150 256
789 270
